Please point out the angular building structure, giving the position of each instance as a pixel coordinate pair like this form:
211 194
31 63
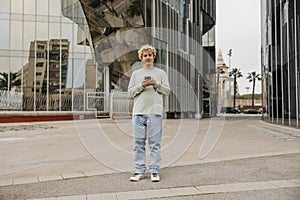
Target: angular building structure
281 61
107 34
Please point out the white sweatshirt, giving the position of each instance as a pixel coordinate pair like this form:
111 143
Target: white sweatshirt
148 100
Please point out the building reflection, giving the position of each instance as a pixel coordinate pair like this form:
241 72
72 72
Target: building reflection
62 50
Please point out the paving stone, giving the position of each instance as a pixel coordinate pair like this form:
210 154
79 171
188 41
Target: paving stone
81 197
104 196
49 178
25 180
185 191
73 175
296 181
6 182
158 193
261 185
96 173
232 187
130 195
284 183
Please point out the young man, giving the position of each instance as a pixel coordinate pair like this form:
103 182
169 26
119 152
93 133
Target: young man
147 86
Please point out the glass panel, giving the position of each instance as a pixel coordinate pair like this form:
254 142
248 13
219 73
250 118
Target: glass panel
28 34
16 73
16 35
4 8
16 6
54 31
54 19
54 8
70 74
67 33
4 33
42 7
79 77
79 72
29 7
42 31
54 65
4 65
29 66
30 17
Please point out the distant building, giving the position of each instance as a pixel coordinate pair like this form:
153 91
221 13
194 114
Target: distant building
223 82
281 61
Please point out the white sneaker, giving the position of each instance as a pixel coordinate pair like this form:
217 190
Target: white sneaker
137 177
155 177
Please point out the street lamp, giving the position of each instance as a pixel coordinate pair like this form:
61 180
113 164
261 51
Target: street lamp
247 88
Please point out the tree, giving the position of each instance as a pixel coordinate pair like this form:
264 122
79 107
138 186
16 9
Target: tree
236 73
6 83
252 78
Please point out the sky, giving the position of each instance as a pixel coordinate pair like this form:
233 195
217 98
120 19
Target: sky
238 28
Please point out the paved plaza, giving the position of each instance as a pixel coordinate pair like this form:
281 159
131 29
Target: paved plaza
226 157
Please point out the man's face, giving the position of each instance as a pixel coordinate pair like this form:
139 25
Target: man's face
147 58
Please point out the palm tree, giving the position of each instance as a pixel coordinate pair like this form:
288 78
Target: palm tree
6 83
236 73
252 78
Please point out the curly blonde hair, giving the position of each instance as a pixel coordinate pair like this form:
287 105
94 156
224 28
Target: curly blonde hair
148 49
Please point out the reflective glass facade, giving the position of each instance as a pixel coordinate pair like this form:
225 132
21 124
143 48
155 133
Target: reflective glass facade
280 61
53 52
44 48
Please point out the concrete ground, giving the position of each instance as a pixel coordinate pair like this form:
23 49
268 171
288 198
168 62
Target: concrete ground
227 157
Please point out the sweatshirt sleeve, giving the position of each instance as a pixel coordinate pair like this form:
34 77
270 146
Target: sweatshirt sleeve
134 88
163 87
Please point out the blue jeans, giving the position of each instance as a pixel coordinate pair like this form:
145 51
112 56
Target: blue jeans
146 126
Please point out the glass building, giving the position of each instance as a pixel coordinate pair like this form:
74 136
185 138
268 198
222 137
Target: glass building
54 53
280 61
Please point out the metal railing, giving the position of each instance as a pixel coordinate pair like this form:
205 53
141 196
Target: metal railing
121 105
117 104
10 100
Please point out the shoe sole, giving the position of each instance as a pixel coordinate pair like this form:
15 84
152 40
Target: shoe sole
132 180
155 180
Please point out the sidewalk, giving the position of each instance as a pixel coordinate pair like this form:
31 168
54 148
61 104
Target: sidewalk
48 152
252 178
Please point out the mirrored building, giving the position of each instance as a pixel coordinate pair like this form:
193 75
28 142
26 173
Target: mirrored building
54 53
280 61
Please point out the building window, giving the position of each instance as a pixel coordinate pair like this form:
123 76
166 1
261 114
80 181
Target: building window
55 47
40 55
40 64
41 47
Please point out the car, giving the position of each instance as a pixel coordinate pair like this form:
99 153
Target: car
251 111
229 110
262 110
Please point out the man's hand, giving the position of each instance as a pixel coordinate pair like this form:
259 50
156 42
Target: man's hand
146 83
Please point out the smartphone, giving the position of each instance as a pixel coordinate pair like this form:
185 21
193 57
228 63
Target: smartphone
147 77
